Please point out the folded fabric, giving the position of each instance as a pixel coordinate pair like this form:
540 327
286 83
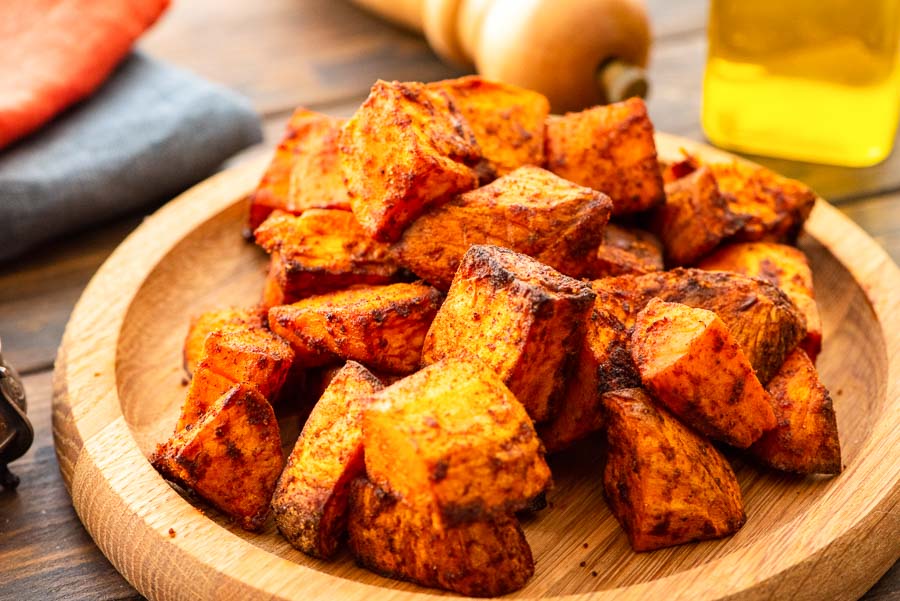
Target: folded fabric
148 133
56 52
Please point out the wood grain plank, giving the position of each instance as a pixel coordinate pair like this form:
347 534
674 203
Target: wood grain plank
284 53
37 293
44 550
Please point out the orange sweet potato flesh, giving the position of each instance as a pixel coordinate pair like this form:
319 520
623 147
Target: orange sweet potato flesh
625 250
763 320
695 218
782 265
218 319
305 172
508 121
231 457
320 251
771 207
673 170
310 500
407 147
664 483
690 361
516 315
56 52
249 355
806 438
530 211
454 437
382 327
611 149
476 559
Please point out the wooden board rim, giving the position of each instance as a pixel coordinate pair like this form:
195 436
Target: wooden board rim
88 422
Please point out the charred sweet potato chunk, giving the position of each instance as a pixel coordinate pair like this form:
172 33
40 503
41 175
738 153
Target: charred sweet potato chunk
406 148
304 173
783 266
231 457
530 211
219 319
508 121
664 483
761 317
693 365
611 149
625 250
454 437
310 500
603 363
516 315
382 327
250 355
805 441
694 219
476 559
770 206
320 251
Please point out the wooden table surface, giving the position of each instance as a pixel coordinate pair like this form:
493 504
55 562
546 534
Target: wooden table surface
323 54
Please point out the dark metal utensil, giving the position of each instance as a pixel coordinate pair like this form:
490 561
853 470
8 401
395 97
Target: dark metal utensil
16 433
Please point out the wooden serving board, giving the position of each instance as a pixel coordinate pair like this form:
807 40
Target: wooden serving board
119 384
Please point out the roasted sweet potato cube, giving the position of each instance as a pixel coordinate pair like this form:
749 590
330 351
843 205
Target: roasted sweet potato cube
664 483
673 170
454 437
316 180
603 363
205 388
516 315
770 206
578 411
397 540
625 250
250 355
382 327
231 457
806 438
610 149
304 173
693 365
508 121
310 501
406 148
219 319
694 219
530 211
760 316
783 266
320 251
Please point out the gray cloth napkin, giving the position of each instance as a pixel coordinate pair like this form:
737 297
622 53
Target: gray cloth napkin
148 133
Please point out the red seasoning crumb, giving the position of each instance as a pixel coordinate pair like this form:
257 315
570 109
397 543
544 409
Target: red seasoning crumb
583 563
171 533
594 574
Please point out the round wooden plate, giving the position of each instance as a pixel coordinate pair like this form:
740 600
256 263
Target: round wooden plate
118 387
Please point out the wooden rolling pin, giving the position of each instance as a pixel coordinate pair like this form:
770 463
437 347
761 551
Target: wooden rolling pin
577 52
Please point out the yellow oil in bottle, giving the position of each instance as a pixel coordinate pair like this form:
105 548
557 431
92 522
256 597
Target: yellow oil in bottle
812 80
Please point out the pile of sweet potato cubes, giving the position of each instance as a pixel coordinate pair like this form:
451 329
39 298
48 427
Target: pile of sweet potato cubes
444 265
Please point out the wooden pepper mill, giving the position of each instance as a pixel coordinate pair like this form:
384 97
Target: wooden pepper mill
577 52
